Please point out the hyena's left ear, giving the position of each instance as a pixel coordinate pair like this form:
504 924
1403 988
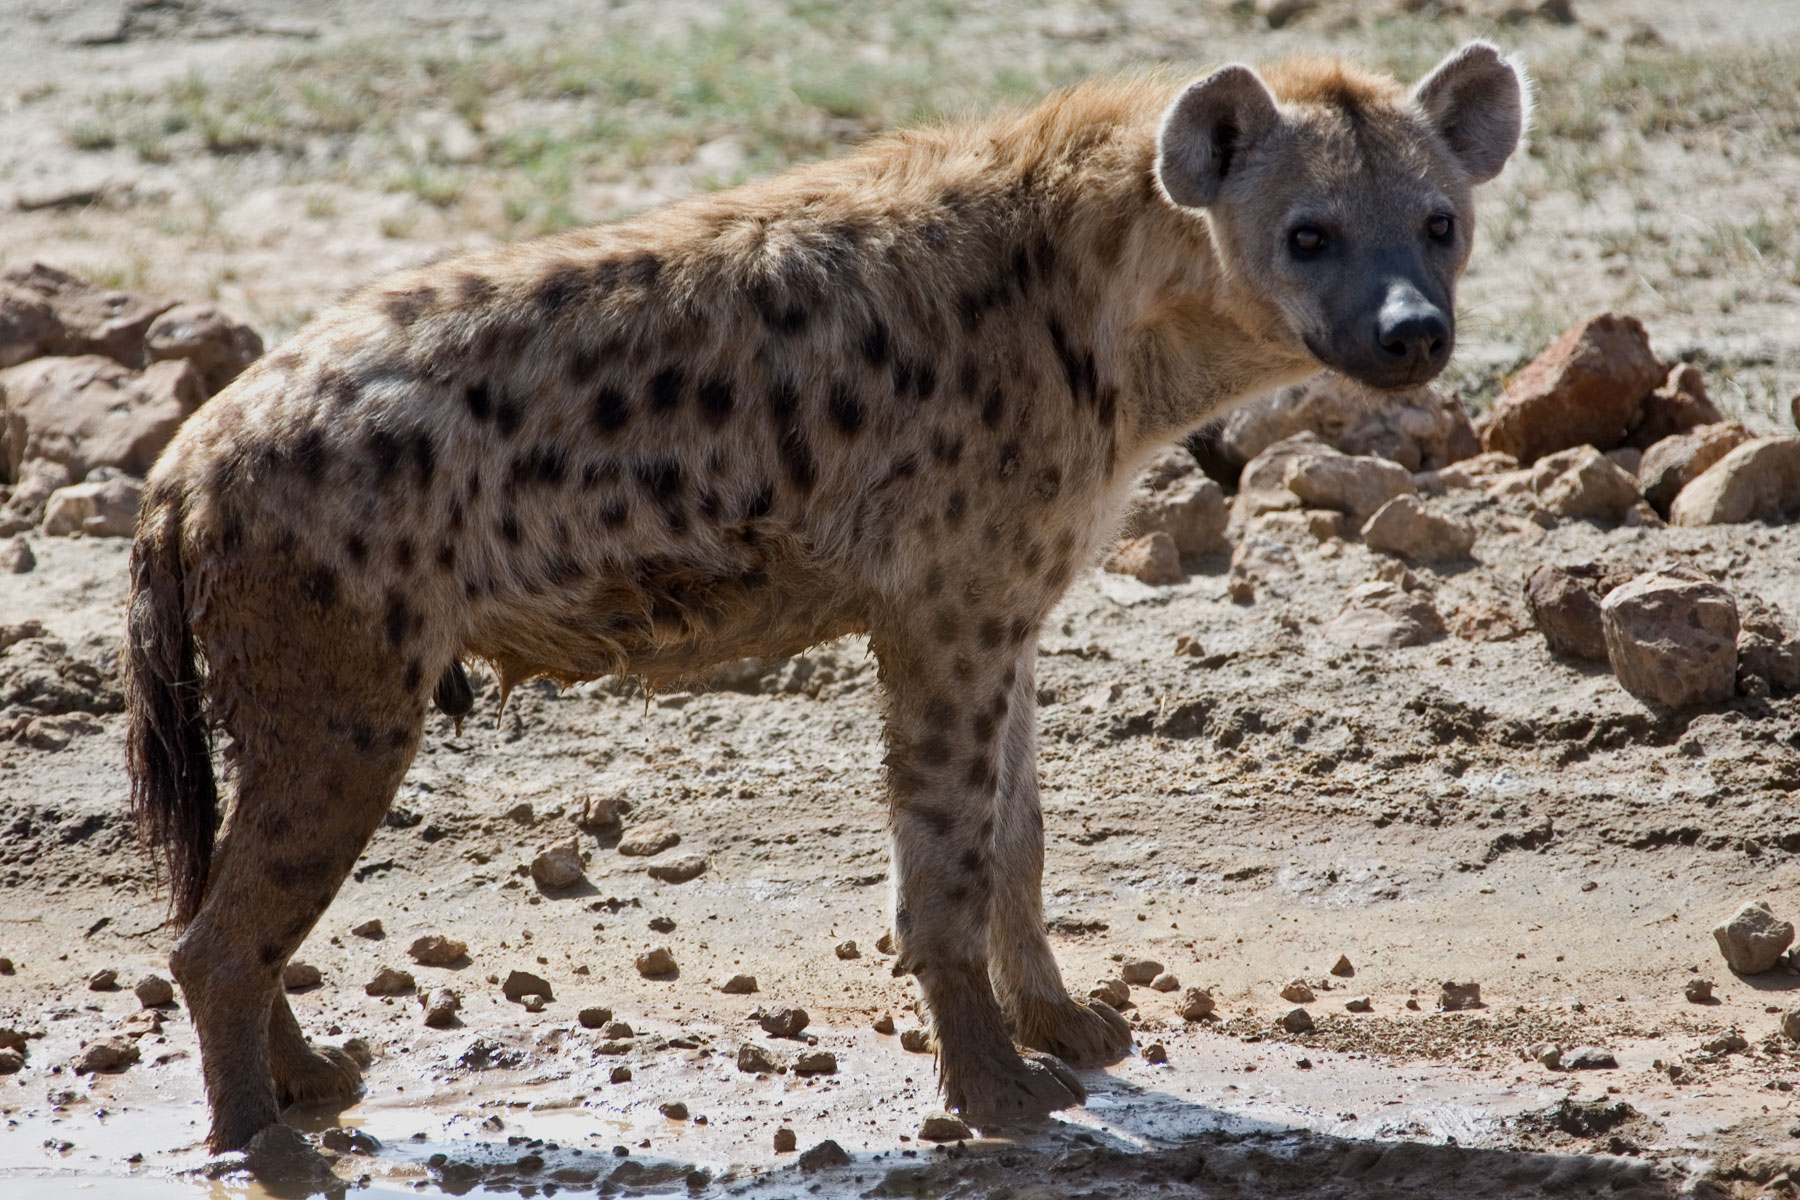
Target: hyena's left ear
1477 102
1205 132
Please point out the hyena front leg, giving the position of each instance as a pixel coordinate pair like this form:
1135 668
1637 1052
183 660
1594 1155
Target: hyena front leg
1039 1010
946 704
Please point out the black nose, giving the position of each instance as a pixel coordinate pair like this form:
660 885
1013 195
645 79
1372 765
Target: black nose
1413 337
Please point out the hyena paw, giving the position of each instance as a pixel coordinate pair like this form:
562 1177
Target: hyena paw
1018 1087
323 1075
1083 1033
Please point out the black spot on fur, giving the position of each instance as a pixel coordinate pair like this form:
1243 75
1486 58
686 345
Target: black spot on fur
944 629
384 453
424 456
759 503
666 389
362 736
1079 370
661 478
545 465
797 458
509 527
415 675
356 548
309 456
717 399
1017 630
397 620
946 449
320 585
973 861
981 773
446 556
1049 482
481 404
615 514
846 409
581 366
934 751
611 411
558 290
994 407
991 633
1009 459
876 343
404 551
940 712
403 308
472 287
643 269
506 417
955 507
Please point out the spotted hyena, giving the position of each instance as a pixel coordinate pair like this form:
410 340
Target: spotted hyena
902 394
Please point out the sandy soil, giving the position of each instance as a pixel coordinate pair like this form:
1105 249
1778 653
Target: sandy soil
1472 809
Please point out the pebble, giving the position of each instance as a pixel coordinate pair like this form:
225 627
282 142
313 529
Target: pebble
1728 1042
785 1140
1297 1020
816 1062
1166 982
350 1141
1790 1024
104 980
915 1040
662 924
649 839
884 1023
826 1154
885 943
1153 558
617 1029
107 1055
782 1020
1156 1052
1140 971
847 951
1753 938
594 1016
441 1007
675 1110
678 870
1342 968
12 1039
620 1074
1589 1058
6 966
520 984
739 985
369 929
1298 992
433 950
1112 992
297 976
655 962
1359 1004
1412 1004
600 814
753 1059
1549 1054
10 1060
942 1126
16 557
153 991
389 982
1698 991
558 867
1405 527
1454 997
1196 1004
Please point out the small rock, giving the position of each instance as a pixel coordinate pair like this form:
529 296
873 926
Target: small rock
885 943
601 814
1698 991
350 1141
1753 938
678 870
441 1007
1175 498
649 839
594 1017
1790 1024
785 1140
104 509
816 1062
106 1055
1196 1004
1759 480
1729 1042
153 991
916 1041
1546 1054
1404 526
782 1020
1152 558
369 929
1673 463
1583 483
558 867
520 984
1156 1052
12 1039
1455 997
1165 982
1412 1004
1342 968
620 1074
823 1156
1140 971
941 1126
1422 429
1671 637
1113 992
1565 604
883 1024
1587 388
1356 485
389 982
1359 1004
1679 406
617 1029
434 950
104 980
1297 992
661 924
1297 1020
217 347
1767 652
753 1059
16 557
847 951
1382 615
298 976
656 962
739 985
11 1061
1589 1058
675 1110
359 1052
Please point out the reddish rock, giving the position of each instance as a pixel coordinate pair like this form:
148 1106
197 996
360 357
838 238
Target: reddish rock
1423 429
1352 484
1565 604
28 326
1759 480
1753 938
89 411
1671 637
1581 482
1679 405
218 347
1767 651
1588 388
37 480
108 508
89 320
1404 526
1674 462
1152 558
1382 615
1173 496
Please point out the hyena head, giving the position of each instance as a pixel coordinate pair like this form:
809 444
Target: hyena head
1340 204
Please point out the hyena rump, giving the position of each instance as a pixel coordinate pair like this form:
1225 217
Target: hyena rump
902 393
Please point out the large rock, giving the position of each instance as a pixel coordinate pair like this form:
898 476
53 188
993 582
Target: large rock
88 320
1671 637
88 411
1422 429
1353 484
1759 480
1381 615
1679 405
1674 462
1753 938
1404 526
1581 482
1565 604
218 347
1588 388
104 509
1175 497
28 325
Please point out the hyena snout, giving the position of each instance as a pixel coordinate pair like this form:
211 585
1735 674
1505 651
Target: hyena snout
1411 339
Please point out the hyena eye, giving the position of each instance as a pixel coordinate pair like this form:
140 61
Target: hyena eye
1439 227
1307 241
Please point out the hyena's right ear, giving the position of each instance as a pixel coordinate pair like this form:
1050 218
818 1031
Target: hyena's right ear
1213 121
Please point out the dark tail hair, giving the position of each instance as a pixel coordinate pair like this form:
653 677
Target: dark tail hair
168 744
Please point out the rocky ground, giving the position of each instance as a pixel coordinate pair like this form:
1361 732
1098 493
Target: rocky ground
1372 704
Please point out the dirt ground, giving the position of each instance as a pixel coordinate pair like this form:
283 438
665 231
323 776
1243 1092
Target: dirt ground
1471 809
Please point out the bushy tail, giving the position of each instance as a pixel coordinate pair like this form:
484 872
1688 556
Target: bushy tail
168 746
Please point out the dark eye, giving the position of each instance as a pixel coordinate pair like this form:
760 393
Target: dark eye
1307 241
1440 227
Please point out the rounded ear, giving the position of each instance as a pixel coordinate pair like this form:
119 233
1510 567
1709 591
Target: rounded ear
1210 123
1476 100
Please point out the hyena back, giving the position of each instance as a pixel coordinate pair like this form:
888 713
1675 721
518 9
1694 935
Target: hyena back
899 394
